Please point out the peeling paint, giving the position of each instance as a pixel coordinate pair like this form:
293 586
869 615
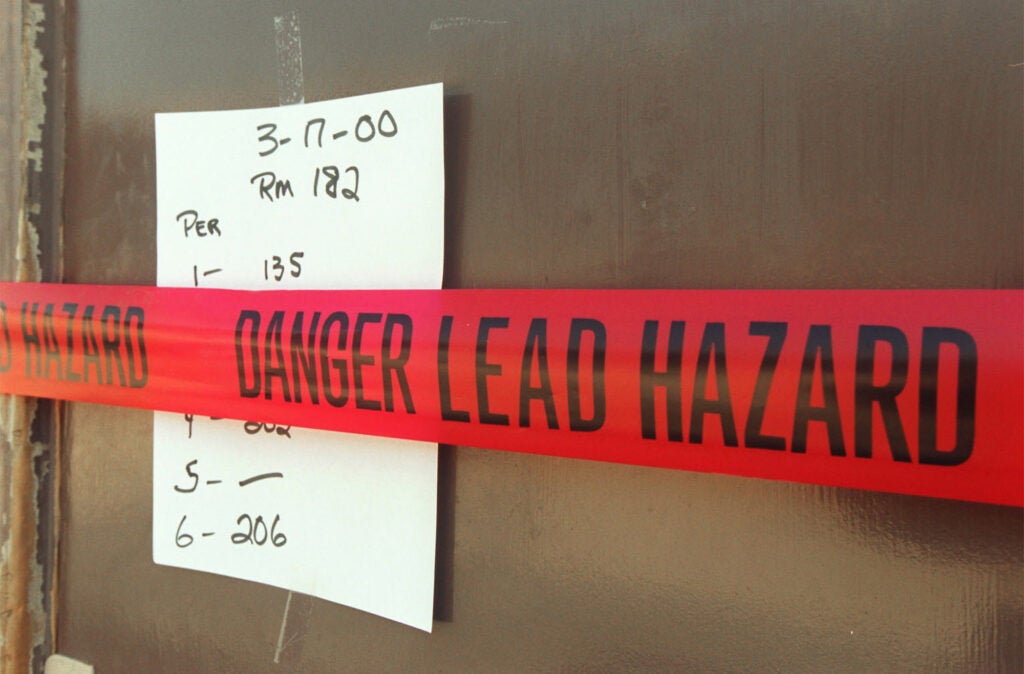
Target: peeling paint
26 254
19 605
33 117
34 85
26 472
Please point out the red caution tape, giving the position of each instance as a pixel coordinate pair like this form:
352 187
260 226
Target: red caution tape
915 392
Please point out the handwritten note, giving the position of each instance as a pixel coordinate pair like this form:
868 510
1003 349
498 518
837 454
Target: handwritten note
336 194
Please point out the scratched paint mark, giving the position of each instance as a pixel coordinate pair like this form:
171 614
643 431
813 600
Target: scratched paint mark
289 92
448 22
280 634
288 40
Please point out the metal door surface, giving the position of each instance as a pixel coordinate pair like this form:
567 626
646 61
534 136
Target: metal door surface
600 144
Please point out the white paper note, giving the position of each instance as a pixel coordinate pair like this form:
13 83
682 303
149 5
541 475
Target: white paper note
336 194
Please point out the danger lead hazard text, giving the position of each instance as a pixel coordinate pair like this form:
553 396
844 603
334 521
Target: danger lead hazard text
791 394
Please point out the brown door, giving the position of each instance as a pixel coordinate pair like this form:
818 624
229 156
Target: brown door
702 144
